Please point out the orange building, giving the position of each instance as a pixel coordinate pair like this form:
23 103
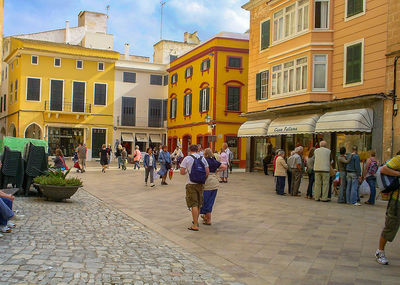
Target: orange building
207 94
317 70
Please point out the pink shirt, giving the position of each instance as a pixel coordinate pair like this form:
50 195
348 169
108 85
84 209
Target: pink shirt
138 155
223 158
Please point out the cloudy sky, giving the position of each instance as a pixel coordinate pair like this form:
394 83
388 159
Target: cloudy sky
133 21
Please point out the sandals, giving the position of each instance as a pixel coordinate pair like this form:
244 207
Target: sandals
192 229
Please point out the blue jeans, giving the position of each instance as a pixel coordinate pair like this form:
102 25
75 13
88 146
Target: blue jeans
6 212
342 189
311 179
371 180
136 165
119 162
352 188
280 184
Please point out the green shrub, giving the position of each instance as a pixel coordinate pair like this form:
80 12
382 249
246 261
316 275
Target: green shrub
57 178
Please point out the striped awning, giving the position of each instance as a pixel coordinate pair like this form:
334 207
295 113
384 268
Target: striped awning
257 128
358 120
304 124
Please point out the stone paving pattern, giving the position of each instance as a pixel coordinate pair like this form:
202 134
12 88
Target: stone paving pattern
84 241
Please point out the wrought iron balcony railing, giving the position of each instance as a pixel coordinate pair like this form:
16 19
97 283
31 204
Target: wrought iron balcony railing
67 107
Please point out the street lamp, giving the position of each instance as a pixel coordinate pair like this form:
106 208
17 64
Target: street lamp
207 119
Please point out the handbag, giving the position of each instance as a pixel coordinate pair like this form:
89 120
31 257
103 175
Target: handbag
364 188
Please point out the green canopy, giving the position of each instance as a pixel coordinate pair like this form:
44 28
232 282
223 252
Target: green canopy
19 143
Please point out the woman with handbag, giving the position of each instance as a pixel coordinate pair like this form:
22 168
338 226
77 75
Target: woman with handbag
165 164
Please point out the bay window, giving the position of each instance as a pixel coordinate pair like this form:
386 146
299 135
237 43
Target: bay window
302 15
320 63
301 74
322 14
276 79
278 26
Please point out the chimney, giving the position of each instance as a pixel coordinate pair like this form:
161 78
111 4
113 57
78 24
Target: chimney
67 33
186 37
127 46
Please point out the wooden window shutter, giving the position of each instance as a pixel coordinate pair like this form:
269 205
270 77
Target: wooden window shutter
190 103
208 64
265 34
201 101
208 99
184 105
258 86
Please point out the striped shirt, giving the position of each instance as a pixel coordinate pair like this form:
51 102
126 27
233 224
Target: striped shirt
394 164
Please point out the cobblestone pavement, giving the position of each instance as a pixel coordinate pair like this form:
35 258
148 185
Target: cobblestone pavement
86 241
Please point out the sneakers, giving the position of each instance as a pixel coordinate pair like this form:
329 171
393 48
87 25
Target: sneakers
152 185
5 229
11 225
380 257
357 204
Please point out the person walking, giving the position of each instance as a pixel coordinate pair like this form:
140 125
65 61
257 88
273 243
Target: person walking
82 153
342 163
322 165
280 172
177 157
290 161
310 173
109 151
392 220
211 186
353 170
104 158
149 163
230 156
118 155
165 164
137 155
370 176
224 159
197 169
296 171
124 158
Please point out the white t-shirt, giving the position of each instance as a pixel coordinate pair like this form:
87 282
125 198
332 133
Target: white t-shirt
187 163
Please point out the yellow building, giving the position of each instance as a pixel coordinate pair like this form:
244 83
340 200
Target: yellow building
61 93
207 94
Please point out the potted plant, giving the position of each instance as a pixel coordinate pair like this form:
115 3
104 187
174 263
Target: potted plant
56 186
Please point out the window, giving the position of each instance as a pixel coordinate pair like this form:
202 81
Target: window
354 62
34 59
320 72
11 92
290 20
174 78
235 62
56 95
165 80
301 74
288 77
265 34
5 102
16 91
100 94
78 96
354 7
302 15
129 77
33 89
189 72
128 112
165 108
205 65
172 57
79 64
172 110
57 62
204 100
187 104
278 26
276 80
156 79
322 14
233 144
1 104
155 113
262 84
100 66
233 99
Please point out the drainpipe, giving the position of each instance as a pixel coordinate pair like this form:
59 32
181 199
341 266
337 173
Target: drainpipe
395 107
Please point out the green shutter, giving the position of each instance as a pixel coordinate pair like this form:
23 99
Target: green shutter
265 34
190 103
208 99
208 64
184 105
353 63
176 106
201 101
258 86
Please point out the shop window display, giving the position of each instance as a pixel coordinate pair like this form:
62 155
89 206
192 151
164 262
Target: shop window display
264 147
233 144
67 139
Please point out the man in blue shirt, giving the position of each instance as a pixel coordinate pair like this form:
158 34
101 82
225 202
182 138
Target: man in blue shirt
353 169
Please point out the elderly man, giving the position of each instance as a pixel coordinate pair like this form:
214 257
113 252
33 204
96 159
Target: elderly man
353 169
321 169
295 165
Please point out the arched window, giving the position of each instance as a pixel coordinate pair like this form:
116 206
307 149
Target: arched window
12 132
33 131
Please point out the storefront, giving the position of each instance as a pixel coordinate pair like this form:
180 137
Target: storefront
127 142
66 139
141 141
155 141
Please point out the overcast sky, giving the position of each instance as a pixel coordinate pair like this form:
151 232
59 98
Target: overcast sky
133 21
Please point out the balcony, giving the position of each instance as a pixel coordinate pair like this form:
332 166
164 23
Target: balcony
67 107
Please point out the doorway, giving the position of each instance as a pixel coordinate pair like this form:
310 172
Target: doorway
186 142
98 139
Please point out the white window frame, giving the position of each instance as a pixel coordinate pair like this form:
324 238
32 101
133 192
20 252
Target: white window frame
301 66
94 93
16 83
291 78
174 103
279 30
346 18
37 60
174 78
40 89
187 105
302 7
63 89
98 66
274 87
72 96
190 68
55 62
326 72
362 63
329 10
76 65
266 86
292 21
204 100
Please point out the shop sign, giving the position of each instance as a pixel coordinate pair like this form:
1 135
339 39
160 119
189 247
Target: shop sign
285 129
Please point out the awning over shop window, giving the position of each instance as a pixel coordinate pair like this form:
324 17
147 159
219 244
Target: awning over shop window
257 128
141 138
304 124
127 137
359 120
155 138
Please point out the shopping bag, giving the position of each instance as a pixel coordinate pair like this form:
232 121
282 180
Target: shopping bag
155 175
170 173
76 165
364 188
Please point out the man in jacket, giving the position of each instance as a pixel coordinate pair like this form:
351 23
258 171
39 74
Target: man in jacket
296 169
322 167
353 169
342 163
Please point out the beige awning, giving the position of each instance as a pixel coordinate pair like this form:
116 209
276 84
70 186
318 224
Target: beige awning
257 128
142 138
127 137
155 138
304 124
358 120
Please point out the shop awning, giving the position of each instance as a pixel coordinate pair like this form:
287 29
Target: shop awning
304 124
127 137
141 138
257 128
155 138
359 120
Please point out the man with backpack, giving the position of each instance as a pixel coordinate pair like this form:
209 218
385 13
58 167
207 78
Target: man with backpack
392 221
369 175
197 169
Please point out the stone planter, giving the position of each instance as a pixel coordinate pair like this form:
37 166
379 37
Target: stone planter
58 193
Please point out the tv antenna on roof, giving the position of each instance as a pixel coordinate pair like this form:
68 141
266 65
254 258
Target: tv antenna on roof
163 3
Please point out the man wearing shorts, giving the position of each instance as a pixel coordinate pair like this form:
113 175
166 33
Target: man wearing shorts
194 191
392 221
